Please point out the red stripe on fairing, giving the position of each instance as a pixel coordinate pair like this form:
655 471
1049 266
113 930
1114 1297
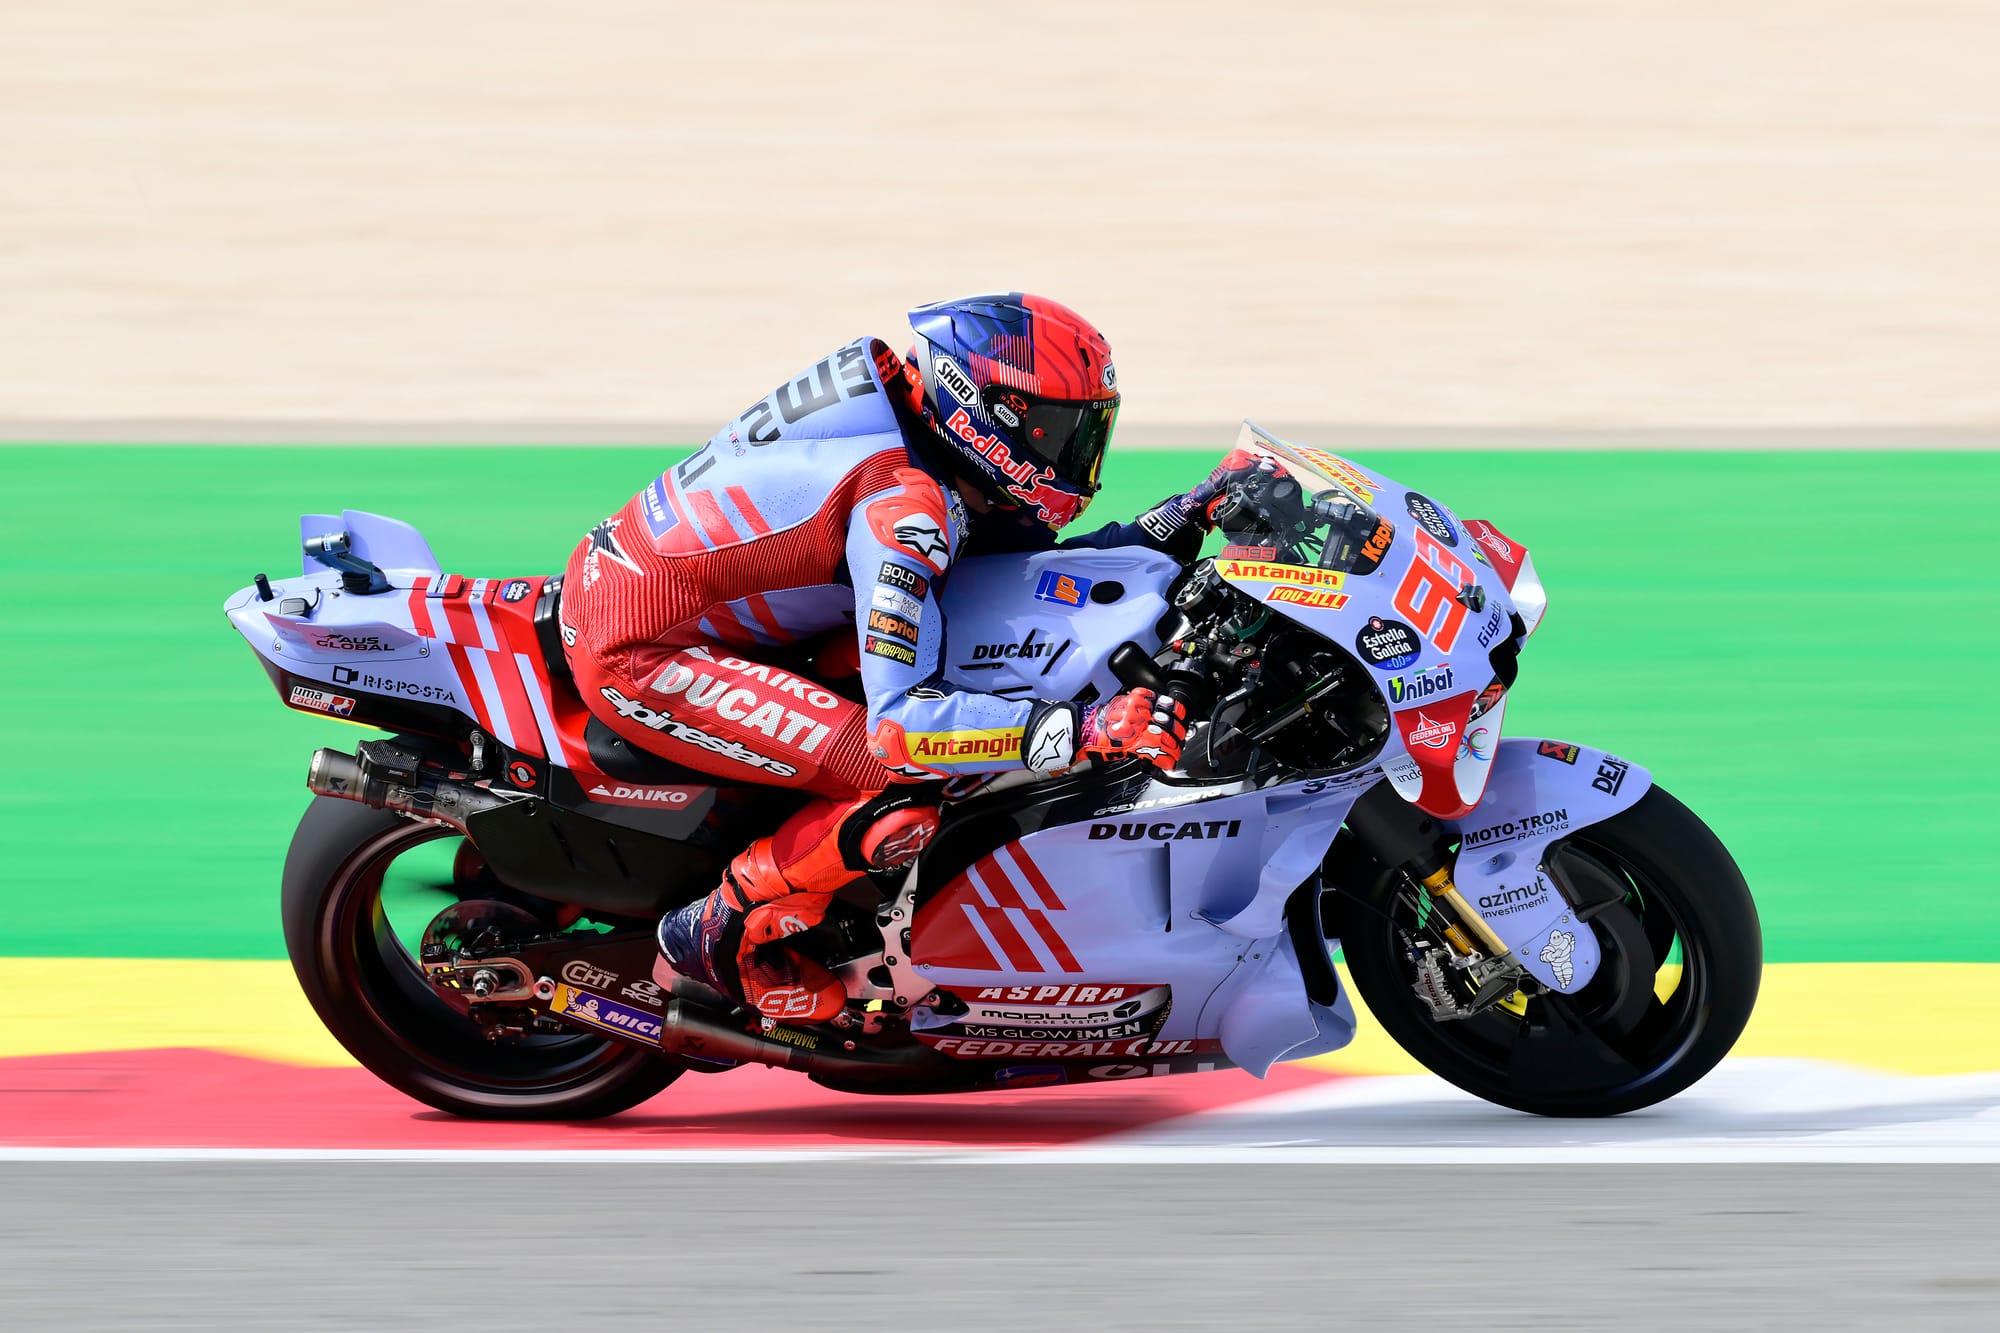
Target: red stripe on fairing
1009 895
1033 874
729 626
474 695
995 879
987 868
420 614
520 717
458 616
714 523
1019 954
741 499
1065 960
768 618
570 757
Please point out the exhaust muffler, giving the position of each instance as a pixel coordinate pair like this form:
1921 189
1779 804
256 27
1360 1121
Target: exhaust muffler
392 777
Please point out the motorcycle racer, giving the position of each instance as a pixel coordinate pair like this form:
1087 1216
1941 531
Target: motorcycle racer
806 540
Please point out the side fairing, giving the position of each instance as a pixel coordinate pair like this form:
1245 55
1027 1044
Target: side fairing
1175 887
1041 626
1540 791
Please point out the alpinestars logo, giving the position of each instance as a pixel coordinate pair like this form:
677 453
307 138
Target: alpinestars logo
604 541
1051 741
655 720
920 535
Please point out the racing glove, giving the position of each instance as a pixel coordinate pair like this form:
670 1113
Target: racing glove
1138 723
1171 521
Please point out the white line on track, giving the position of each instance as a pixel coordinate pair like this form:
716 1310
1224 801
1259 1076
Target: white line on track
1779 1154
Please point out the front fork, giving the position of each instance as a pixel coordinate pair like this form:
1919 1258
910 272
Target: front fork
1400 835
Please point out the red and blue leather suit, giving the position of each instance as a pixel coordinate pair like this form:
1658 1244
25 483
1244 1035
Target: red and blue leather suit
815 511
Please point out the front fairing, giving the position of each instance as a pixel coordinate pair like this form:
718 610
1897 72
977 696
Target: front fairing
1423 624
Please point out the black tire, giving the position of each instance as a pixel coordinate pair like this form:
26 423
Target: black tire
1607 1049
374 999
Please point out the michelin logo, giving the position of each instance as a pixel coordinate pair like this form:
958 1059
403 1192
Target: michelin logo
1558 952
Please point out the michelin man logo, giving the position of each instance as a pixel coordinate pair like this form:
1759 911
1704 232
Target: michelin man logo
1557 953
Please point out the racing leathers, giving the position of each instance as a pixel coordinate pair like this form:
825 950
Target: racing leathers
814 511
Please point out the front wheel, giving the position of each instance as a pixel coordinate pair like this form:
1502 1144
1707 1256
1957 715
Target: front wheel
350 867
1682 957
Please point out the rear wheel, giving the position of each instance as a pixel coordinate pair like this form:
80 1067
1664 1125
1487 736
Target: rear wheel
1682 957
360 885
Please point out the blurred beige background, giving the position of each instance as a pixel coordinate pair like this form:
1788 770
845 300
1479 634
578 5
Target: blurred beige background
625 213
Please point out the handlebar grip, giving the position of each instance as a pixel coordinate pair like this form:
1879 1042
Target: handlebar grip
1135 670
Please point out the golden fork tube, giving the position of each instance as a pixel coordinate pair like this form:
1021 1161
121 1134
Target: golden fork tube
1443 890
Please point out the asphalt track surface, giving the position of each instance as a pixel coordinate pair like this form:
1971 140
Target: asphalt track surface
1839 1175
953 1245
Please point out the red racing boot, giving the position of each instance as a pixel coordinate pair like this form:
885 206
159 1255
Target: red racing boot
784 885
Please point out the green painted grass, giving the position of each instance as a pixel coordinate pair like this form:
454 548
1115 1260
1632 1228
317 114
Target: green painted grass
1800 646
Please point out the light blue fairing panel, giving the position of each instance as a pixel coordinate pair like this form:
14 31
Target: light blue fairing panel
1532 799
1186 887
398 548
1036 627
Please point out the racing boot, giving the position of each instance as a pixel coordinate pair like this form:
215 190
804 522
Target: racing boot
733 940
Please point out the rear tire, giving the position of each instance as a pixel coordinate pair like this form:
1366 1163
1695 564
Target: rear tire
374 999
1609 1048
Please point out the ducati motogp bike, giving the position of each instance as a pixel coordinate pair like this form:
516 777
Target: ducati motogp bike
469 900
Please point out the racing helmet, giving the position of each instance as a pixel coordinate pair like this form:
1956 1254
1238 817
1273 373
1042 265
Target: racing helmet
1023 394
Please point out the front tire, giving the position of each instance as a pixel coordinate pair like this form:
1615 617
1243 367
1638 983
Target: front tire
1643 1029
374 999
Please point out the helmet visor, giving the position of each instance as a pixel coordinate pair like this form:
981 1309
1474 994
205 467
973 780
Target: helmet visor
1068 438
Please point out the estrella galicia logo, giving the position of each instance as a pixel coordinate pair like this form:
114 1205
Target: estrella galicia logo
515 590
1431 518
1387 645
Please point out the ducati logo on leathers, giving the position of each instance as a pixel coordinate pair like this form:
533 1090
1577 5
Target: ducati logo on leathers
738 703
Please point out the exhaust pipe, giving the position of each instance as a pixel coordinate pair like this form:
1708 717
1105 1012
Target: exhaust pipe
688 1030
389 777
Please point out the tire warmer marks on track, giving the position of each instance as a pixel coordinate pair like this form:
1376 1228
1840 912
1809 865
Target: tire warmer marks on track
182 1098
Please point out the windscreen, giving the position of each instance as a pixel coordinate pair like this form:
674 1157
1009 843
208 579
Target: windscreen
1353 537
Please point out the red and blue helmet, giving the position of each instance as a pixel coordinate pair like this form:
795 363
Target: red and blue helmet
1025 396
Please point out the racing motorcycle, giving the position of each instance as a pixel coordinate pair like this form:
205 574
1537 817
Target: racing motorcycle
469 901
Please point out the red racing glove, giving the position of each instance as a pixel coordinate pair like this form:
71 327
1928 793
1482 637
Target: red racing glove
1136 723
1235 466
1169 521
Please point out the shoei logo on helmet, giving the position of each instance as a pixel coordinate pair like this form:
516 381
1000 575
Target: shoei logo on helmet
1111 377
954 379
